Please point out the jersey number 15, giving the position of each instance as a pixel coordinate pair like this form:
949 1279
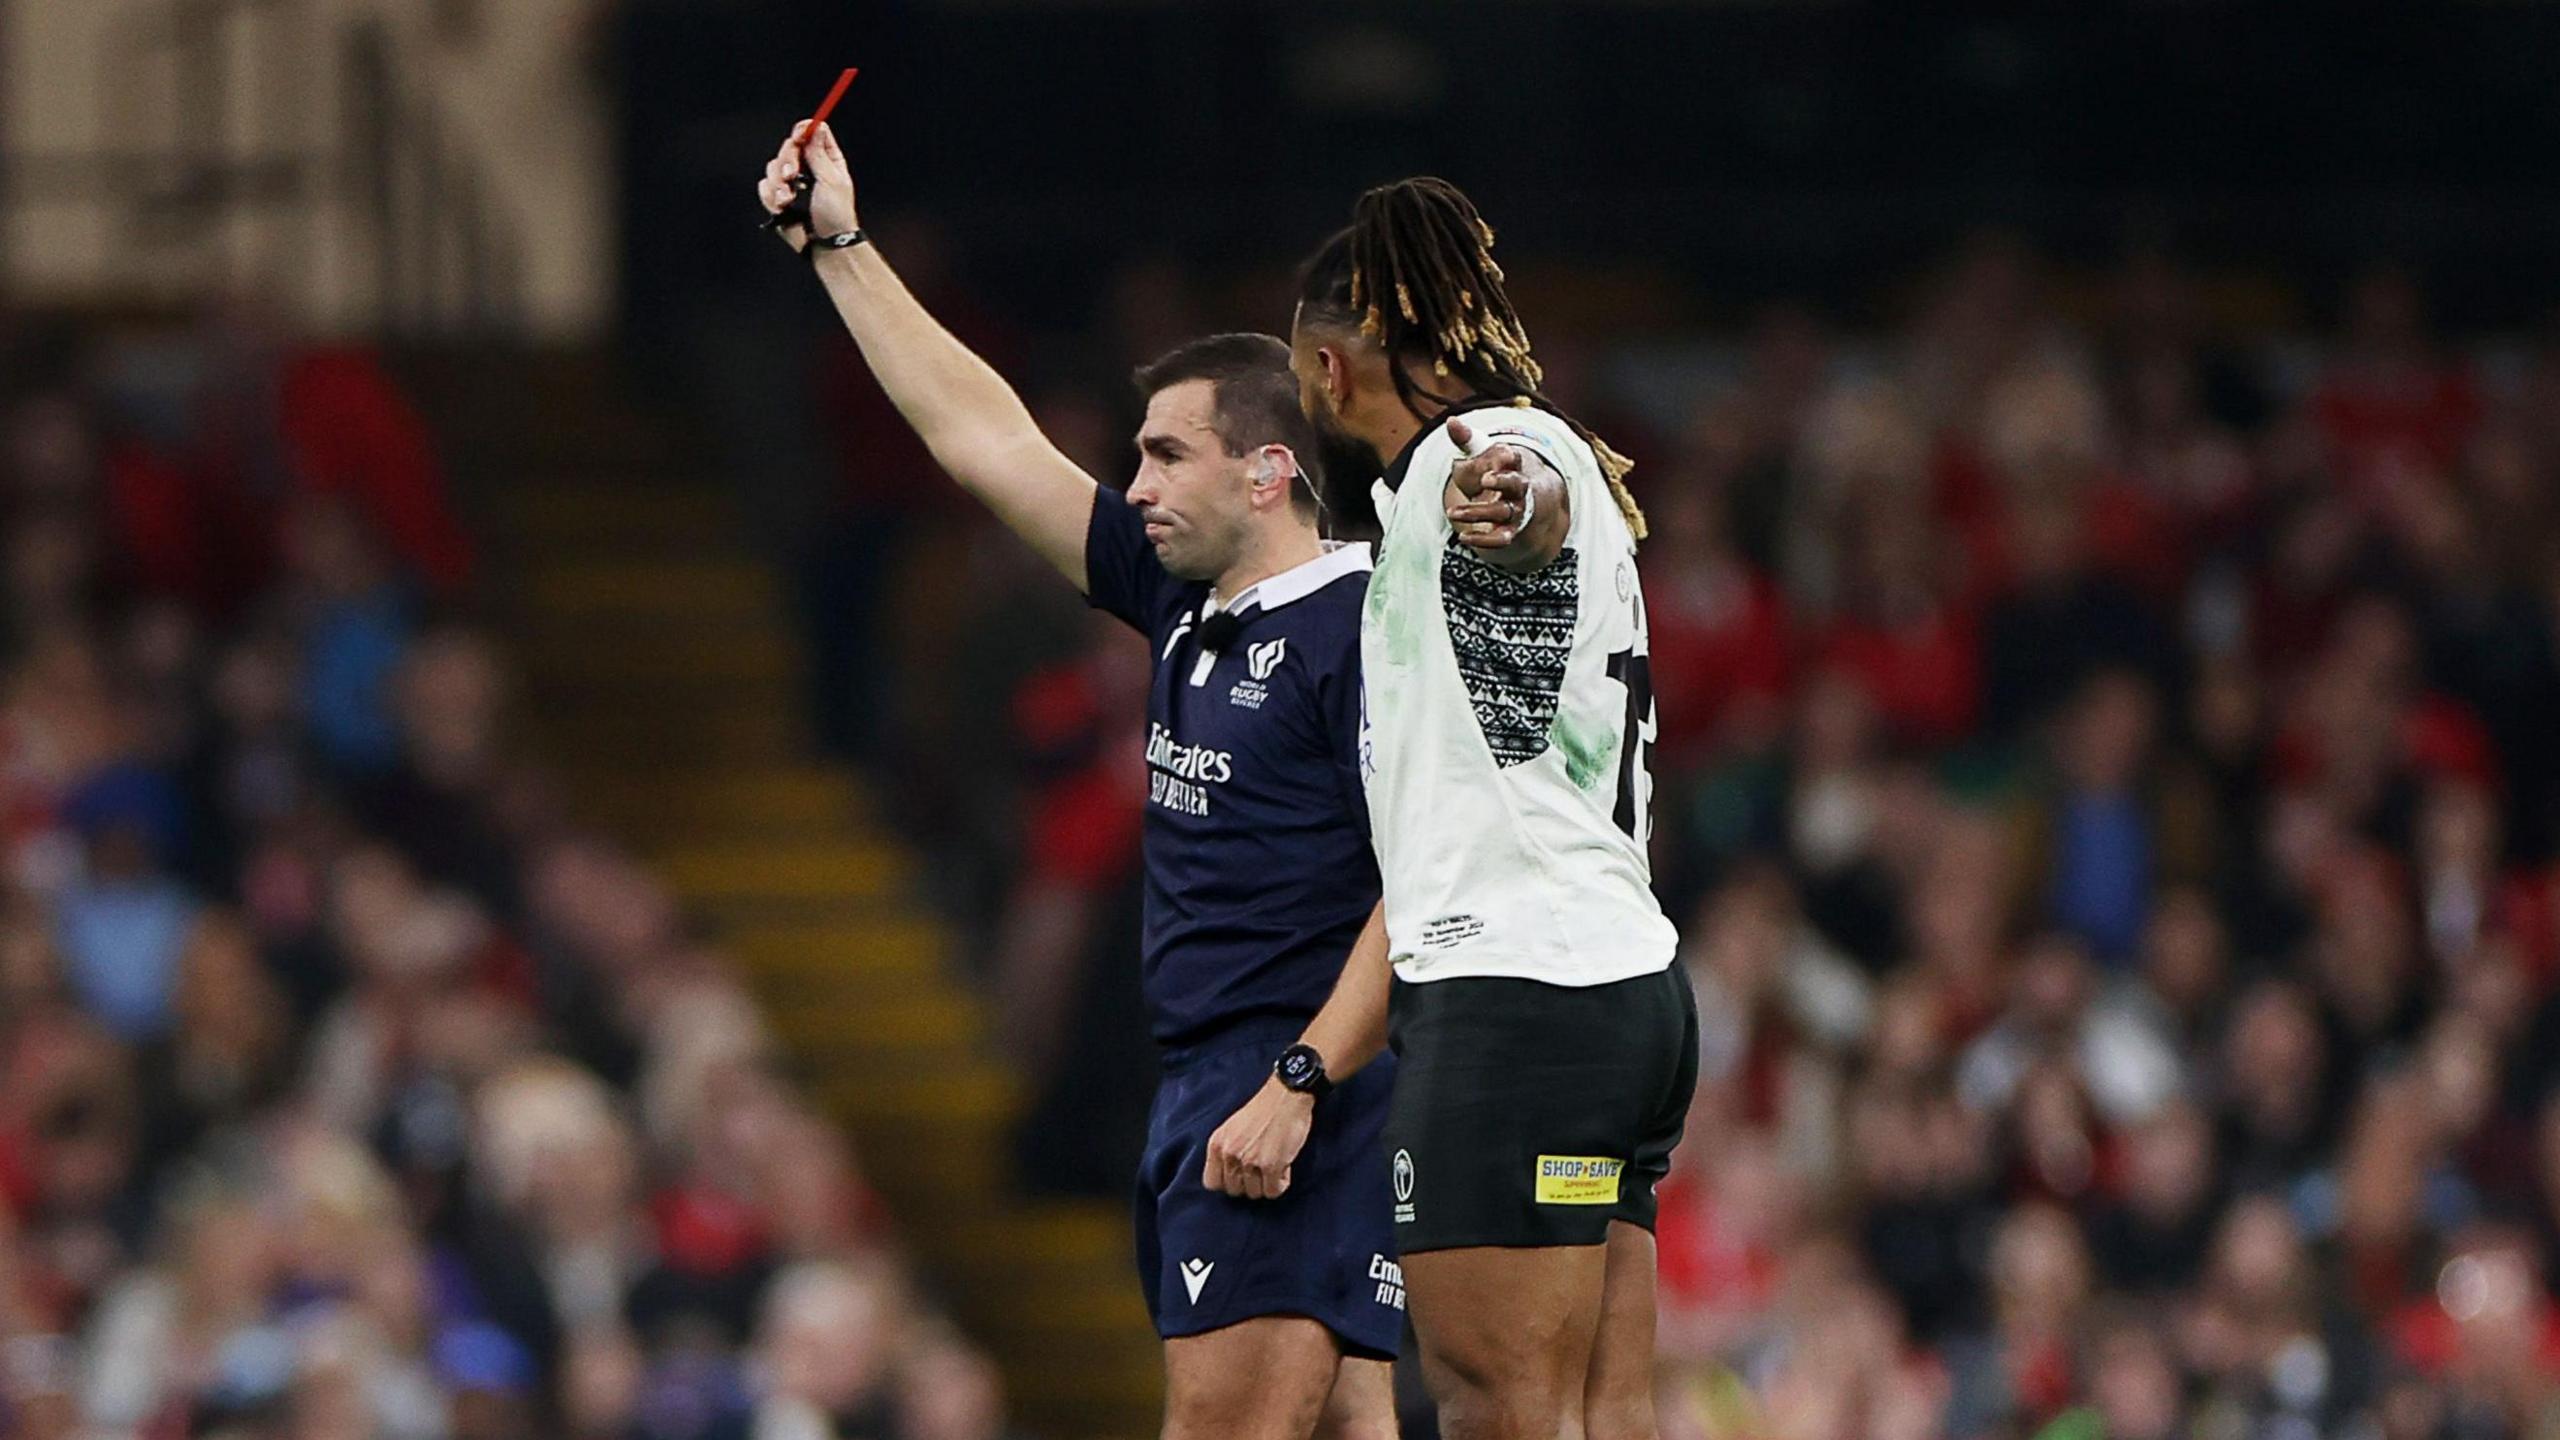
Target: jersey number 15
1635 747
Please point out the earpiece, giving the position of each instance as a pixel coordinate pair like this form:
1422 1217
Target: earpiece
1265 473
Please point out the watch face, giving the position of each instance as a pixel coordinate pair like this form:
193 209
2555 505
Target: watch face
1297 1067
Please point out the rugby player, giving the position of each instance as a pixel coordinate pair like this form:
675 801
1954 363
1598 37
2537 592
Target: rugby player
1264 1241
1546 1046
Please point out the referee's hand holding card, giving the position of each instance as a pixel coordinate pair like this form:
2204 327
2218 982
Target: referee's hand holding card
831 207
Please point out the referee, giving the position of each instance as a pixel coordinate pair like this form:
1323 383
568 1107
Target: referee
1264 1243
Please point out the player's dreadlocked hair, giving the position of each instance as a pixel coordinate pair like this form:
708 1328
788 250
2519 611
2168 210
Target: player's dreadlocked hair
1414 271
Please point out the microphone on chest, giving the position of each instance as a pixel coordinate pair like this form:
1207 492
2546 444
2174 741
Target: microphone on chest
1219 631
1217 634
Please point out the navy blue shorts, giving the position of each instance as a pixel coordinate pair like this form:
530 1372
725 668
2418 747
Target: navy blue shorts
1325 1250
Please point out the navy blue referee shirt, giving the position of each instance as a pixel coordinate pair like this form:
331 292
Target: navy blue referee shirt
1259 873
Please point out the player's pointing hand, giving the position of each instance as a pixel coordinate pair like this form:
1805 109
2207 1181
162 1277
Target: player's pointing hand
1488 497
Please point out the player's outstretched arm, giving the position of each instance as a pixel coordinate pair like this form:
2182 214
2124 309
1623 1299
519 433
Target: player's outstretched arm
976 426
1251 1153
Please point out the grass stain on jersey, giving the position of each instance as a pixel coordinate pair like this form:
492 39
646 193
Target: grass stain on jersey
1586 752
1394 587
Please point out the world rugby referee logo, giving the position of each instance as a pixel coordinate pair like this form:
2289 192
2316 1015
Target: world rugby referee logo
1260 660
1404 1186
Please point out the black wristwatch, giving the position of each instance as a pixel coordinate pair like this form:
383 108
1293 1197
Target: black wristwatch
1301 1069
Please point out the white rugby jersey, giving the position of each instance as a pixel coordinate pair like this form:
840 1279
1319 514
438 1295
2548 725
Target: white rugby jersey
1506 725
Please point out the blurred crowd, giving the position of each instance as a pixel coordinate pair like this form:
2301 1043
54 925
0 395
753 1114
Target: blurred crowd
347 1087
2108 789
2106 783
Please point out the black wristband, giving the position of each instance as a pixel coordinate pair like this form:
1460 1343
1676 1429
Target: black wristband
1301 1069
826 243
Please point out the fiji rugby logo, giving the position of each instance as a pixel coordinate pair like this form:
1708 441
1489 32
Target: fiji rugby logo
1404 1186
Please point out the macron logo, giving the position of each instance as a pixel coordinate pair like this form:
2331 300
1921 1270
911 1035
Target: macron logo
1195 1274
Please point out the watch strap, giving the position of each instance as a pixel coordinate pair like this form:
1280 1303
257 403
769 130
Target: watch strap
1301 1069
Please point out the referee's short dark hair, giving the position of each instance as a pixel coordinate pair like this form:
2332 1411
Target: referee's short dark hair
1254 398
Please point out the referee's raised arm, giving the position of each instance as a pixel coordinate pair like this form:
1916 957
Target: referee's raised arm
978 430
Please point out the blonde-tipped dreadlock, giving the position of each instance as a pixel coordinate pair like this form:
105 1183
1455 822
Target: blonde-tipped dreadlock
1421 242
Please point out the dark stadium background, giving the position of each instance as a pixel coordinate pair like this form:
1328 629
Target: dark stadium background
555 880
1816 150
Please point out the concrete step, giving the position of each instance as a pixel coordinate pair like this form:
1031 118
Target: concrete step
793 961
729 589
912 1179
979 1094
664 810
1112 1420
847 990
675 698
633 739
892 1060
979 1146
603 518
585 777
1133 1362
785 870
1084 1232
1087 1302
675 711
740 914
1095 1394
618 652
868 1030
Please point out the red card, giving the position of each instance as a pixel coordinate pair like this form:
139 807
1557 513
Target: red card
827 106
